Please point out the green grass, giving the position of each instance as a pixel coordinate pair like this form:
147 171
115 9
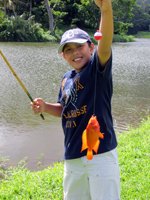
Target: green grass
143 34
22 184
134 157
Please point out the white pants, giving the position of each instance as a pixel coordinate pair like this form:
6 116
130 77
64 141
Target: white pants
96 179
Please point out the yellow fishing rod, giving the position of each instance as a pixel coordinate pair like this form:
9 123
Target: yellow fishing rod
18 79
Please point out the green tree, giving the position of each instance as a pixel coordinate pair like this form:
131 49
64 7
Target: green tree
75 13
80 13
123 14
141 19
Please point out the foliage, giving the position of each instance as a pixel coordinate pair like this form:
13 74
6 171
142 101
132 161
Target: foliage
84 18
141 19
123 38
143 34
77 14
123 15
40 15
59 12
19 29
134 159
130 16
2 16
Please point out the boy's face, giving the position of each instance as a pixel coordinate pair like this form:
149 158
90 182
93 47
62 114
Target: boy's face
78 55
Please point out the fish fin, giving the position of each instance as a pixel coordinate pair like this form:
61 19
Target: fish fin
84 141
101 135
89 154
95 148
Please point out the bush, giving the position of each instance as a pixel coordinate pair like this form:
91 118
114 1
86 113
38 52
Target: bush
21 30
123 38
2 16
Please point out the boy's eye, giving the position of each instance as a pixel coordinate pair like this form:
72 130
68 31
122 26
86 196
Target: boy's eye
80 45
69 49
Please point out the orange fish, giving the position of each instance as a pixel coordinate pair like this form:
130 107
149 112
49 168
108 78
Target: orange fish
90 137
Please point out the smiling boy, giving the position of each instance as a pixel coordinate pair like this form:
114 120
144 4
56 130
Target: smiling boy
86 90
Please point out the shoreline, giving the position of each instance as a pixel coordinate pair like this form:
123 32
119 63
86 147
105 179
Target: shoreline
48 183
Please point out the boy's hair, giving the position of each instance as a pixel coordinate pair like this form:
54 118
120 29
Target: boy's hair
74 36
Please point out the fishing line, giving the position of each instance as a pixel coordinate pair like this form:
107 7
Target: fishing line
98 36
18 79
95 87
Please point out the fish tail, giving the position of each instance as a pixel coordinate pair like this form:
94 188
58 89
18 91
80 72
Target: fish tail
89 154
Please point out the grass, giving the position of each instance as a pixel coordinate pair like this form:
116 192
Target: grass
22 184
143 34
134 157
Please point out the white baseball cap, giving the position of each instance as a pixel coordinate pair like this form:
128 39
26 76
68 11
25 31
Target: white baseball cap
75 35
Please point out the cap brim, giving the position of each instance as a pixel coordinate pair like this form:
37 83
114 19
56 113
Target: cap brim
78 41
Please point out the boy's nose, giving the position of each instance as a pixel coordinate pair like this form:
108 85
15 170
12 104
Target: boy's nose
75 50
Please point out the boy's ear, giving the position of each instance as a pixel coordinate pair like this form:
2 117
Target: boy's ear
92 47
62 55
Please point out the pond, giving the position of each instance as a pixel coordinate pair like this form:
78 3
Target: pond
24 135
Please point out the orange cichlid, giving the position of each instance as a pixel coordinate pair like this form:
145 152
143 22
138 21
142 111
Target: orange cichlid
90 137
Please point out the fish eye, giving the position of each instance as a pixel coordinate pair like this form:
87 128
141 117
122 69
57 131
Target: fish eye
91 123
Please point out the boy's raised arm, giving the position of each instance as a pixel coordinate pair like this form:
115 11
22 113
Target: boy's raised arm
107 28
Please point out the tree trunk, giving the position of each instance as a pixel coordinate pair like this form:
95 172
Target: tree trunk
9 5
30 12
50 16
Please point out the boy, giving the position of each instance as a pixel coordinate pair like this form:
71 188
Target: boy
87 90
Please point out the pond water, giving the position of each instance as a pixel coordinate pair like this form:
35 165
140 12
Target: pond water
24 135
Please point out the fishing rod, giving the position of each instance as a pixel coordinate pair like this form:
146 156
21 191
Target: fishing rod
18 79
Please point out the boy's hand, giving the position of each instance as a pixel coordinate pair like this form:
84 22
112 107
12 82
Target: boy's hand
104 5
38 105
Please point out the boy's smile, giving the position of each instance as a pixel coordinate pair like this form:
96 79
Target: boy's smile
78 55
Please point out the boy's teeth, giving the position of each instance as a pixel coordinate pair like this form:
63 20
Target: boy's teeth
77 59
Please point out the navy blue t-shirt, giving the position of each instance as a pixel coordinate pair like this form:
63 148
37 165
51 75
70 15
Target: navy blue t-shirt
83 94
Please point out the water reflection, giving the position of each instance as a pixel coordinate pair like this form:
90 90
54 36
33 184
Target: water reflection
41 69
